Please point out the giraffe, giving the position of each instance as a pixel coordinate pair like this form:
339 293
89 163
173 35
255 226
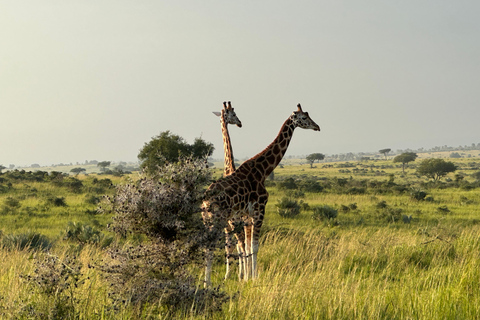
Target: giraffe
242 196
228 116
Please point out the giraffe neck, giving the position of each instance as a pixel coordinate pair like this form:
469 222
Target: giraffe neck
229 166
267 160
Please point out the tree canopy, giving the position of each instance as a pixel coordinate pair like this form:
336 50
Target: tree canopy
311 158
385 151
405 158
435 168
168 147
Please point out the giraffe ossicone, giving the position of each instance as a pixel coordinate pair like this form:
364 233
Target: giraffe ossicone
241 197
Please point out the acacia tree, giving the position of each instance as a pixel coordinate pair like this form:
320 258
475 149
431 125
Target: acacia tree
78 170
168 148
384 152
435 168
103 165
311 158
405 158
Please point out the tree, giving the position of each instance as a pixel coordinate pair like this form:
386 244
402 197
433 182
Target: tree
78 170
103 165
405 158
2 167
311 158
385 151
168 148
435 168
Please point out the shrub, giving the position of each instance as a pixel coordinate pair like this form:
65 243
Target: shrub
164 207
57 201
288 184
381 204
418 195
324 212
83 234
288 207
22 241
56 280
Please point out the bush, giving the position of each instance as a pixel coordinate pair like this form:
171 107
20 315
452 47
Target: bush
57 202
165 208
418 195
288 207
288 184
83 234
31 240
324 212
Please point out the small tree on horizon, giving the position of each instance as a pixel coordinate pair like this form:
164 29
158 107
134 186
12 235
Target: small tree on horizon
103 165
405 158
384 152
78 170
311 158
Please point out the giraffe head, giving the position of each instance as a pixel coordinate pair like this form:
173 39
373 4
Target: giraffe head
228 114
302 120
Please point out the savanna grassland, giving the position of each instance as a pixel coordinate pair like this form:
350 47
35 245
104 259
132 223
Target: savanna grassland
341 240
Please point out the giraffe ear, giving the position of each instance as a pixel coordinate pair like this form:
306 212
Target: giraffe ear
218 114
299 108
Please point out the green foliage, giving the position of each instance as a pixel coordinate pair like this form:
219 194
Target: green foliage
405 158
418 195
22 241
311 158
168 147
56 280
166 209
57 201
84 233
435 168
288 207
324 212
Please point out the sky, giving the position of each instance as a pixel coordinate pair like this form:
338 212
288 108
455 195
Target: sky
96 80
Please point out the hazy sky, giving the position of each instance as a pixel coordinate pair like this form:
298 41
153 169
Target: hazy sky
84 80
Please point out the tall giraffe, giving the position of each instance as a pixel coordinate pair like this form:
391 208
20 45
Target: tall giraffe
242 196
228 116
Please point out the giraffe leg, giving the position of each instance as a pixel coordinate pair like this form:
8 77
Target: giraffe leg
241 254
248 251
255 239
229 249
208 268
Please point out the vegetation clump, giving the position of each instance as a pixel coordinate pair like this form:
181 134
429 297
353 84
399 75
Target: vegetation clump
165 209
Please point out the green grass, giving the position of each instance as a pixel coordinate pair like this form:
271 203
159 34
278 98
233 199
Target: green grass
359 265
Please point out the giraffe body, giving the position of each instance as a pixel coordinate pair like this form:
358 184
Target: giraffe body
228 116
242 196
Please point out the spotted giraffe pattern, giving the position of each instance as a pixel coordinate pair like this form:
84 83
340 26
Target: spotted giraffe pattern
228 116
242 196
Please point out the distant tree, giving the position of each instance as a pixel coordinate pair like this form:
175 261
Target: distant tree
168 147
384 152
78 170
201 149
405 158
2 167
435 168
311 158
455 155
35 165
103 165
